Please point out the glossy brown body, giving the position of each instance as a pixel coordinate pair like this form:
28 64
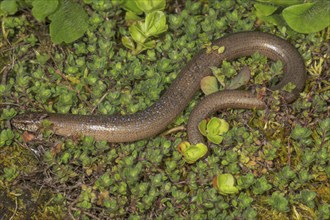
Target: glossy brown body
157 117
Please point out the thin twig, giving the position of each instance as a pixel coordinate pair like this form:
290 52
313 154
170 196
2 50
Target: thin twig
15 210
172 130
101 100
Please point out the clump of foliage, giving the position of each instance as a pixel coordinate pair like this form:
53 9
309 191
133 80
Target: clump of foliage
279 202
301 16
227 77
192 153
141 30
68 19
6 137
213 129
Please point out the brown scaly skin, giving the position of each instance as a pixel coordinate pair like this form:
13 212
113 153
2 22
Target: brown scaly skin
157 117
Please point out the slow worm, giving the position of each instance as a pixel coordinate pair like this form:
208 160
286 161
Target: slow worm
157 117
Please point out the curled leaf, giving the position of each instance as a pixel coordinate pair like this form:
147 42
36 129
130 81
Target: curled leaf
241 79
182 147
202 127
217 126
213 129
217 139
195 152
224 183
192 153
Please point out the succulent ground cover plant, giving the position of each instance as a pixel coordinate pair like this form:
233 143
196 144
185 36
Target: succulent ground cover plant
267 164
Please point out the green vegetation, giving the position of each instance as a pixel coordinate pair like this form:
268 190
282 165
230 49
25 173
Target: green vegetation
228 77
214 129
141 30
270 164
192 153
68 18
301 16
